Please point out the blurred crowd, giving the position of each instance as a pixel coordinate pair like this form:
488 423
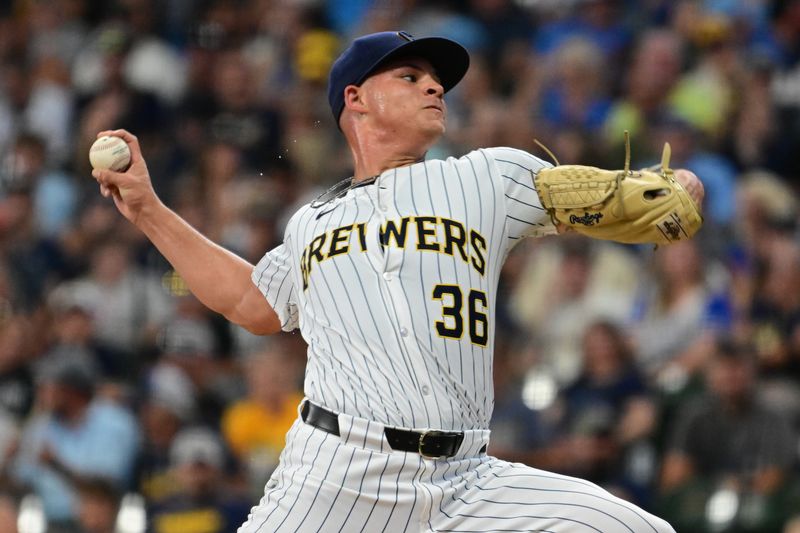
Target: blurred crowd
669 376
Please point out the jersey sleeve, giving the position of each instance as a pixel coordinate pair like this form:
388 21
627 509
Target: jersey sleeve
273 277
517 170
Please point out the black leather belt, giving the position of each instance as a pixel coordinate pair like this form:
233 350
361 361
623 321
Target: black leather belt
431 444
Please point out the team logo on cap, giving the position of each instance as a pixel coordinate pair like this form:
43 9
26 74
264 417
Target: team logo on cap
405 35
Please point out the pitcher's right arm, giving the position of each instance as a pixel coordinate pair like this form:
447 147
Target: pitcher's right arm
217 277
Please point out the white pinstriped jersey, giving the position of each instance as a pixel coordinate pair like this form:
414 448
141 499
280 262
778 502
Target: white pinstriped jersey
393 287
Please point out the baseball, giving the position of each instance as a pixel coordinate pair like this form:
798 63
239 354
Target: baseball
110 152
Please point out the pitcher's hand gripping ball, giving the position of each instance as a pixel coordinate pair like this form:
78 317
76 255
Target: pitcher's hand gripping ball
644 206
109 152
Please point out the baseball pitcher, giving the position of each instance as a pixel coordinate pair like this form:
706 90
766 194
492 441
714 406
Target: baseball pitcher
391 277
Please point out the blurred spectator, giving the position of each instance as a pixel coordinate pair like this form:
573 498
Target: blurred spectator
729 440
205 503
598 21
438 18
234 115
255 427
672 310
576 96
73 333
781 41
126 304
754 140
57 29
519 432
704 96
768 210
188 339
38 99
16 376
785 53
54 193
226 186
76 435
649 81
505 24
607 414
566 286
200 344
169 403
33 261
767 214
775 312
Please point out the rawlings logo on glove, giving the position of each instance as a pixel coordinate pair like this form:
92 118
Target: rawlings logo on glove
645 206
588 219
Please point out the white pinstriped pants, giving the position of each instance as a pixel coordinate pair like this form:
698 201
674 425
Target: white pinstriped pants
356 482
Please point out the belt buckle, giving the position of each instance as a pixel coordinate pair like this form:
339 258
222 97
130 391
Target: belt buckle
421 444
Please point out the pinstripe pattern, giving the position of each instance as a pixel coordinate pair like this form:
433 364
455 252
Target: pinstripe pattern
368 316
393 287
355 482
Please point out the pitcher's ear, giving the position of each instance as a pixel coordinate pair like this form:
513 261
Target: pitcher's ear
353 99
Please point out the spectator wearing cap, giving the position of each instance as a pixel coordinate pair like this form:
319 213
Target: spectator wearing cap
199 347
73 333
168 403
205 503
76 435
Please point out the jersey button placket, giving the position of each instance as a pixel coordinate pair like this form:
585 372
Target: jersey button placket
392 262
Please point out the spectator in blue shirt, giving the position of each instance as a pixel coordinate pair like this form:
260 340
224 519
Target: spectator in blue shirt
77 435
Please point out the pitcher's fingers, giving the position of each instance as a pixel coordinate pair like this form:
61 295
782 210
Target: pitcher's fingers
108 178
691 183
129 138
105 191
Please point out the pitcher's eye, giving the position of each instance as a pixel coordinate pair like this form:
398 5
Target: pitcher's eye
410 77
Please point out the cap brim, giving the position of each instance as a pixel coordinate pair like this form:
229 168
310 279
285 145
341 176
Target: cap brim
449 59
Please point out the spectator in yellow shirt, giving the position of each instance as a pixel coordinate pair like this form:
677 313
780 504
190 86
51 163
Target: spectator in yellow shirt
255 427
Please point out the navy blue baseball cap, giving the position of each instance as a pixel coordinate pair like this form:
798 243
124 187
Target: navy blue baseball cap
449 59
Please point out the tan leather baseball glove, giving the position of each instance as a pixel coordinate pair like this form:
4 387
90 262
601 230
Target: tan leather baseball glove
645 206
